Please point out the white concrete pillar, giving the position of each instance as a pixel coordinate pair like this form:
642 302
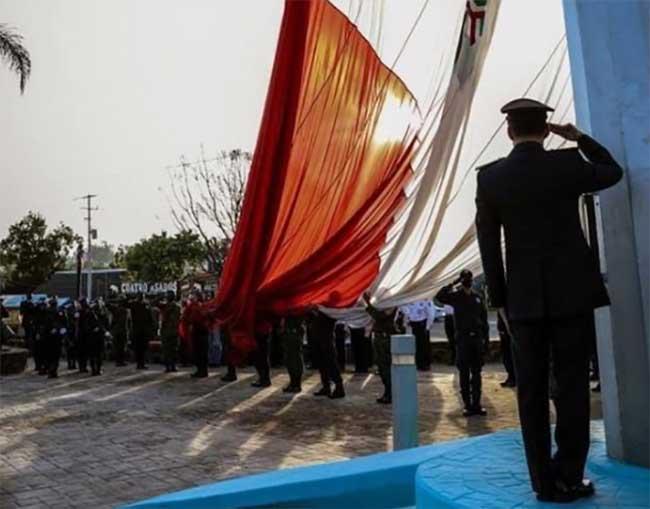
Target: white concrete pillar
609 48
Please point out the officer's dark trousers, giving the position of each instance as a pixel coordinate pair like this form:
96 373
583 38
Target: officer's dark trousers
422 345
140 345
469 360
506 355
533 343
200 346
40 353
359 349
293 358
119 346
96 353
450 331
53 354
82 352
326 359
340 351
262 363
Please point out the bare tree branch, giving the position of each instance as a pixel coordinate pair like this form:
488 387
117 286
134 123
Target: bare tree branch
206 197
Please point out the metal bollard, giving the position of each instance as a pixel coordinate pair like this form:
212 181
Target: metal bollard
404 391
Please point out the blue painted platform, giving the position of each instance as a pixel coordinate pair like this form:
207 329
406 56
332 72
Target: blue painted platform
485 472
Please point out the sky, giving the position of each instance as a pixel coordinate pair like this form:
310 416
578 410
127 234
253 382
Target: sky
121 88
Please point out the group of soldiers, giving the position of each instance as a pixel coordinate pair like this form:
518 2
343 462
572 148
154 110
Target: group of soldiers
82 331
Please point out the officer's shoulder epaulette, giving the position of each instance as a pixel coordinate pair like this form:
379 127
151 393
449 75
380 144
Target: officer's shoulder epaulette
488 165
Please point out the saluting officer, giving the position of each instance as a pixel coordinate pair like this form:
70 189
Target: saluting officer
472 338
533 195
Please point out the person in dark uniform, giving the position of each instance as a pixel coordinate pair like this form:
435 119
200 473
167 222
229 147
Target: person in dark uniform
170 313
533 195
40 325
70 337
359 349
472 338
54 331
321 328
386 322
83 333
98 324
340 335
142 329
261 355
292 334
231 373
197 324
506 353
27 319
450 332
120 328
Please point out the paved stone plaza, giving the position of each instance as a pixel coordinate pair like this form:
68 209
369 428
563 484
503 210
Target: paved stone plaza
97 442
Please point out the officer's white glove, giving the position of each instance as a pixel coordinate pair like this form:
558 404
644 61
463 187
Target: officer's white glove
95 329
53 331
107 334
63 331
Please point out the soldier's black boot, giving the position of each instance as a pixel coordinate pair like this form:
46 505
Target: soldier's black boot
339 392
323 391
172 367
230 376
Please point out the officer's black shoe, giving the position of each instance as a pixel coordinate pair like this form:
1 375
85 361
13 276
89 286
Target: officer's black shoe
468 412
292 389
172 368
229 377
385 400
338 393
120 364
52 375
199 374
584 488
479 411
324 391
508 382
261 384
42 371
96 373
84 370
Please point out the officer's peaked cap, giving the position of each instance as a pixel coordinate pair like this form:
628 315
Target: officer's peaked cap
525 104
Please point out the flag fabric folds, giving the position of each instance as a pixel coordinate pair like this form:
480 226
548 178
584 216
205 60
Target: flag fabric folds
333 156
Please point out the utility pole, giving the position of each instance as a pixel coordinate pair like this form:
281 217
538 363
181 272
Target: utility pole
92 234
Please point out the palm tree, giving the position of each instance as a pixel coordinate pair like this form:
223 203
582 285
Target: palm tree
14 53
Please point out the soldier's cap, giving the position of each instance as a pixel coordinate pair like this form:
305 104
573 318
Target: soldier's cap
466 273
525 105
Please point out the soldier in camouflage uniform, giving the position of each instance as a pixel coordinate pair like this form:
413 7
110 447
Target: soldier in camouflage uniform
292 333
170 313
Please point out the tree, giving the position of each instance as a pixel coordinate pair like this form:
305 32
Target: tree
162 258
15 55
30 254
206 198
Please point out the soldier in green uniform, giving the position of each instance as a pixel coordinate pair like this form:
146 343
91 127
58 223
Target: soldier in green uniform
120 327
170 313
386 323
292 334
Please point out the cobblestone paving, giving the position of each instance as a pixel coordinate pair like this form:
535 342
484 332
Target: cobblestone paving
97 442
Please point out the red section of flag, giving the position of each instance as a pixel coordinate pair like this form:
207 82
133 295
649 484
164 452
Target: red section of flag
333 154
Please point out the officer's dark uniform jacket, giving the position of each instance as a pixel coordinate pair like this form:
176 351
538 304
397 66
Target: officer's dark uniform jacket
470 315
533 194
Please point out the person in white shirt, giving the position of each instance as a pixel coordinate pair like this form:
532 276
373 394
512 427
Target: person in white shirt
420 315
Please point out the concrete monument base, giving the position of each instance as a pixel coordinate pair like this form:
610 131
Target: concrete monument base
484 472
